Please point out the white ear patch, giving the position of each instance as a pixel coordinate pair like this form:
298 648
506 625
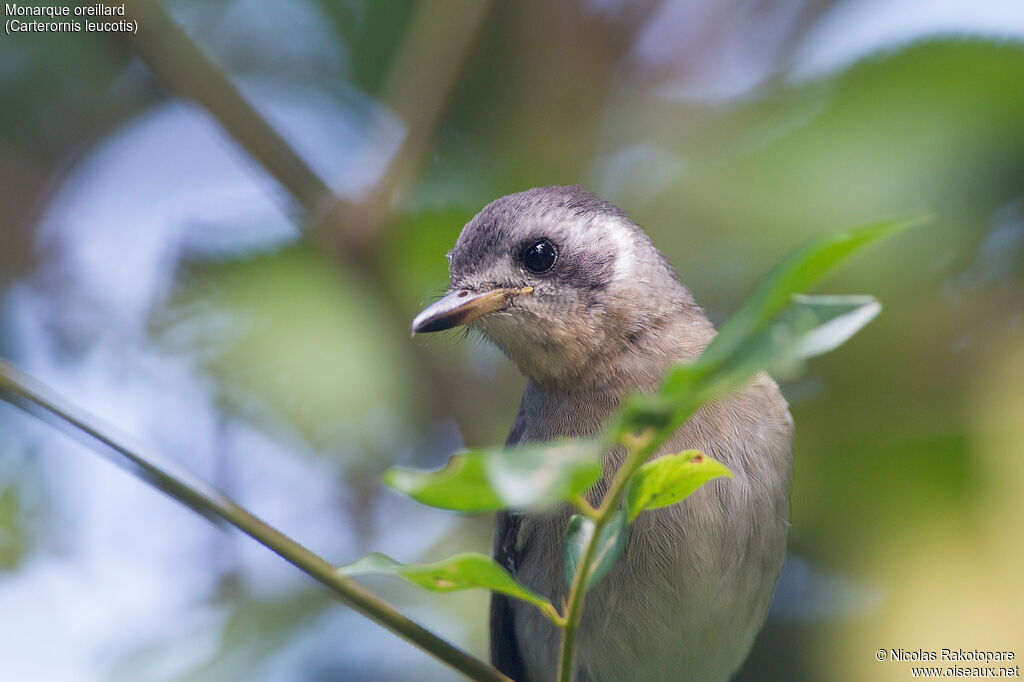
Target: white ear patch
624 239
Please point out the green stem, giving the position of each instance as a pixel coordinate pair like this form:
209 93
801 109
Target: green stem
638 449
575 608
585 507
28 394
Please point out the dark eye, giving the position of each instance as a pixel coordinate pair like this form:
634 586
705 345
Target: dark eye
540 256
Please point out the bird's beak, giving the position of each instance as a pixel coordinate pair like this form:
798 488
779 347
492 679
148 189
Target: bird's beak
463 306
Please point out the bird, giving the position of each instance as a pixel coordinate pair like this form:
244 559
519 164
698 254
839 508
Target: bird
577 296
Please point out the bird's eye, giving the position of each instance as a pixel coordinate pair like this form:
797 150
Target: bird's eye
540 256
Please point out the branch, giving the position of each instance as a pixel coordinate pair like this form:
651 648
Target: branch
31 396
417 87
440 37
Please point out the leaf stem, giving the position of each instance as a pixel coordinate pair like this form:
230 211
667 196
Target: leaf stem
585 507
26 393
553 615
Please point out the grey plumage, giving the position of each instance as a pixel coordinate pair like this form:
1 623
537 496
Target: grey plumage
610 316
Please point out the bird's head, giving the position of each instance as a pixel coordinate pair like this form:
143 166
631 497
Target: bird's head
567 286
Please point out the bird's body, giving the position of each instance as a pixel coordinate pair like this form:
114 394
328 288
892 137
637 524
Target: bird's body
591 312
691 590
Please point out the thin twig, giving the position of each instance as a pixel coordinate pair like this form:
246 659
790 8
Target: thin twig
574 610
182 67
638 450
28 394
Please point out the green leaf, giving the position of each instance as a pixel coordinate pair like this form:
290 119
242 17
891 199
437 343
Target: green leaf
460 572
610 544
531 477
773 331
836 319
811 325
538 476
462 485
798 272
671 479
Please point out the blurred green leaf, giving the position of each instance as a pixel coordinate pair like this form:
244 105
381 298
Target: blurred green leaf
462 485
928 123
811 325
610 544
773 331
537 476
832 321
529 477
799 271
671 479
460 572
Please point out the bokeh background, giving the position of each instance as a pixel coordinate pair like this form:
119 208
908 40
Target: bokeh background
181 272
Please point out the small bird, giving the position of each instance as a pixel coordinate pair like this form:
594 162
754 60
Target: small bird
577 296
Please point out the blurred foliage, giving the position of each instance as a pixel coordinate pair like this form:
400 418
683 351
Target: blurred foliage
300 333
24 506
253 632
528 477
12 528
932 124
460 572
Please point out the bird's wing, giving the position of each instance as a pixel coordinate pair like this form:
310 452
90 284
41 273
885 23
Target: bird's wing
504 647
